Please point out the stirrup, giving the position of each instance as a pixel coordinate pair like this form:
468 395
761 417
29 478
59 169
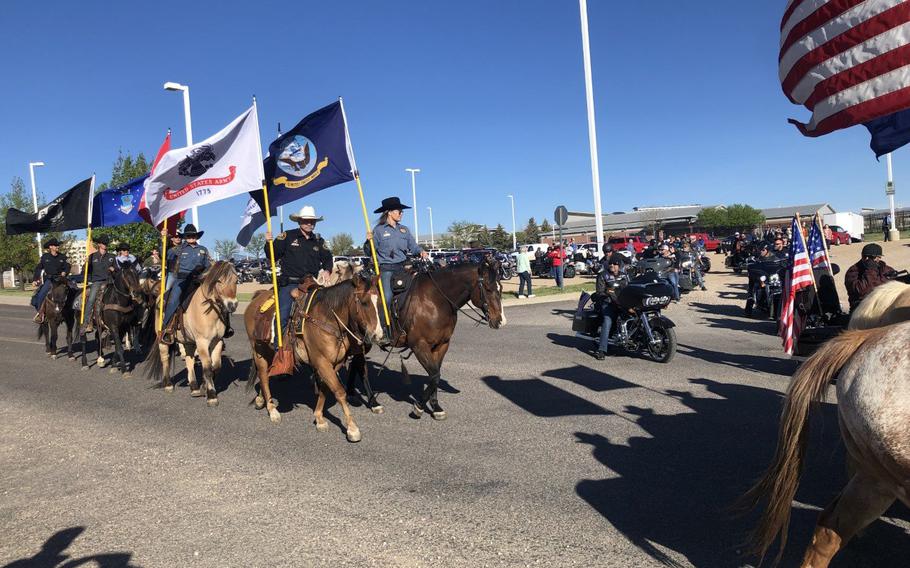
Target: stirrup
167 337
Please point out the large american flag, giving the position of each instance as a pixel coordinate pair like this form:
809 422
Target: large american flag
818 253
799 276
847 61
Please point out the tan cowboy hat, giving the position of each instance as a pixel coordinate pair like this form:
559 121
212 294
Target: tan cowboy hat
306 213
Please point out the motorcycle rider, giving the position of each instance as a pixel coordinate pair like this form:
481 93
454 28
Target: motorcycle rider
779 251
673 270
864 276
764 255
606 288
696 264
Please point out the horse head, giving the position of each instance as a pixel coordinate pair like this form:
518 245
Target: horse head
130 280
220 282
365 309
59 293
487 294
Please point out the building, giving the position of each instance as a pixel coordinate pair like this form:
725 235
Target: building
75 254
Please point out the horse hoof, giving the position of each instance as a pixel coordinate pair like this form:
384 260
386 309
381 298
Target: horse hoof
71 358
354 436
85 367
53 355
212 402
259 403
416 412
322 426
378 409
112 370
441 415
169 388
102 363
196 393
274 415
127 375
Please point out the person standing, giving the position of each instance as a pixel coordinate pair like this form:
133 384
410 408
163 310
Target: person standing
886 227
523 267
189 260
53 263
302 252
556 256
100 264
393 242
672 270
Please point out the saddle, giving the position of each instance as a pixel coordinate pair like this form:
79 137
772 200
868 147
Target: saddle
265 317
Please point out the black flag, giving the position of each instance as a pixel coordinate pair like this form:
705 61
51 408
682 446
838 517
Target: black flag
66 213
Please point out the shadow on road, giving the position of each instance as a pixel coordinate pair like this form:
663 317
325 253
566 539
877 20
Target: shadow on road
53 555
759 363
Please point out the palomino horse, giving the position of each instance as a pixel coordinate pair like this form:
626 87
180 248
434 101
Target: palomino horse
341 270
872 368
58 308
201 333
886 304
339 317
427 314
119 301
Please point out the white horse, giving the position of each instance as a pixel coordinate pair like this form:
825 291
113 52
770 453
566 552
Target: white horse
886 304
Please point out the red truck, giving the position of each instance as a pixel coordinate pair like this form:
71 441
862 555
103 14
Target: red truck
621 243
711 243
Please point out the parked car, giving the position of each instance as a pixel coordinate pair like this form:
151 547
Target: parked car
639 243
839 236
711 243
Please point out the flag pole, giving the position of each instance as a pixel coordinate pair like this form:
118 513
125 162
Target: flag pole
821 231
799 224
268 227
88 239
363 207
163 281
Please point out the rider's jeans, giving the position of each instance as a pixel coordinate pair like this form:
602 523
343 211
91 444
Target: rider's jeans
524 281
609 313
673 278
39 296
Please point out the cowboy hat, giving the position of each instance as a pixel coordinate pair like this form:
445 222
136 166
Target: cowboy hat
391 204
306 213
190 232
51 242
123 245
100 240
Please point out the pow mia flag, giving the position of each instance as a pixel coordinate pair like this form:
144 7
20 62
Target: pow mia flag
66 213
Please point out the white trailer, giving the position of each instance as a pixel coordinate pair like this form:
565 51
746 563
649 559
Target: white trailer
851 222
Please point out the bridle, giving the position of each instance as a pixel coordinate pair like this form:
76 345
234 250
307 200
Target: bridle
481 317
130 294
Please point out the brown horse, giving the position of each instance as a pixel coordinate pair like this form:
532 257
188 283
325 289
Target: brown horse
201 333
58 308
115 312
339 317
426 318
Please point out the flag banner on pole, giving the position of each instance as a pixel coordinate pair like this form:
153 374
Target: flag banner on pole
119 205
65 213
889 132
846 62
172 221
799 276
308 158
219 167
252 218
818 254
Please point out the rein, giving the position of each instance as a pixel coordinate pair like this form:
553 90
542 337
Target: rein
482 317
117 307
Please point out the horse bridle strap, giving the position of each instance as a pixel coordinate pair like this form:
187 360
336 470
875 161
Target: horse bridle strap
117 308
482 318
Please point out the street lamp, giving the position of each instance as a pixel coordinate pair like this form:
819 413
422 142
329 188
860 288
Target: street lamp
432 235
187 117
894 233
514 242
414 196
592 129
31 170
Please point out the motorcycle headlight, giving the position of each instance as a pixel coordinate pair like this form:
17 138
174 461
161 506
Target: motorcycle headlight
687 264
775 279
762 278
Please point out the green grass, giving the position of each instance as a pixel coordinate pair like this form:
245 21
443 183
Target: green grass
245 296
553 290
877 236
15 292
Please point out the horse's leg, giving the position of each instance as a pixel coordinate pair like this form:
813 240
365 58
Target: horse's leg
204 351
265 392
439 353
359 367
863 500
69 338
328 375
215 363
52 341
102 362
189 358
164 352
84 339
120 363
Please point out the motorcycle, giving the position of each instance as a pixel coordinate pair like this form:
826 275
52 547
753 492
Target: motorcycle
768 290
687 279
639 325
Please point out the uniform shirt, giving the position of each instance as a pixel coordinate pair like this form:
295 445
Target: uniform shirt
301 256
52 265
99 266
186 258
394 243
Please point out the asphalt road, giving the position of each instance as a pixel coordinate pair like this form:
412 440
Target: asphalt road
548 458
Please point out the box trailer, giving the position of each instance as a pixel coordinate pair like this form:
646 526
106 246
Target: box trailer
851 222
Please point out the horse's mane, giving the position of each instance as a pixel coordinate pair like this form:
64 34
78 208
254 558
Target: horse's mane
215 274
335 297
881 302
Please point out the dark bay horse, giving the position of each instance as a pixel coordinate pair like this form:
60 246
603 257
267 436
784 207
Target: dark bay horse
58 308
121 302
340 317
427 315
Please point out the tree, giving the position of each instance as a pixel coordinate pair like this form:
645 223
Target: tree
256 245
225 249
19 252
545 228
531 232
744 217
465 232
712 218
500 239
342 244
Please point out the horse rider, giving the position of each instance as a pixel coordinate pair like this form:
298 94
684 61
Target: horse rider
52 263
393 242
124 258
100 264
864 276
609 277
302 252
170 267
189 260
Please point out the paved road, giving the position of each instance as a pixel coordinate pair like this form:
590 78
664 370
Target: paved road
548 458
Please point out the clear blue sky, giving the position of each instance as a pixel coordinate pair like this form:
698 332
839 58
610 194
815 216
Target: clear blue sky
485 97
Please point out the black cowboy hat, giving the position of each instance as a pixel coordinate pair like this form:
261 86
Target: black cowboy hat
51 242
872 250
391 204
190 232
100 240
123 246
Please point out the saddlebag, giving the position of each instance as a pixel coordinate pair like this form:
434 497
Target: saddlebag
586 320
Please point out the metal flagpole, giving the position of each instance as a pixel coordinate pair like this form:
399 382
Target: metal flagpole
88 239
366 219
894 232
592 130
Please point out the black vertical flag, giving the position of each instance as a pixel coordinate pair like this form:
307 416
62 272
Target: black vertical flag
67 212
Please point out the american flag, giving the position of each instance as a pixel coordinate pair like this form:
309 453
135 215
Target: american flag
818 254
799 276
845 60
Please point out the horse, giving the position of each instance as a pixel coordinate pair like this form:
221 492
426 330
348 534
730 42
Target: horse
426 318
341 270
58 308
339 317
885 304
121 299
872 368
201 334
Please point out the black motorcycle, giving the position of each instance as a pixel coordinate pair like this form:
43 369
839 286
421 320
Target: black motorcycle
767 277
639 325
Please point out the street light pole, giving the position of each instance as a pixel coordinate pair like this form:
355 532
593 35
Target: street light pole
432 235
188 121
514 242
592 130
894 233
414 196
31 171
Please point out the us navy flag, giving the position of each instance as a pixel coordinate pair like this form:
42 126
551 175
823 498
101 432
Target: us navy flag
119 205
66 213
309 157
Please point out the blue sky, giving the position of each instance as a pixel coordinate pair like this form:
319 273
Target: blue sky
485 97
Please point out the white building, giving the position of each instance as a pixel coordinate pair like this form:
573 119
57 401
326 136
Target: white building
75 254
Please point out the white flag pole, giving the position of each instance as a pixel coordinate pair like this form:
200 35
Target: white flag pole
592 130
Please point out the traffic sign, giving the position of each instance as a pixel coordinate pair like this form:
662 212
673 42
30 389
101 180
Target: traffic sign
561 215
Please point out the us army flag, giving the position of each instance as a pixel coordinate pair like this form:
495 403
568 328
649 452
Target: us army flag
227 164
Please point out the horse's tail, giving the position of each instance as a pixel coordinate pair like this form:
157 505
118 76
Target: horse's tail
779 482
252 376
147 329
154 370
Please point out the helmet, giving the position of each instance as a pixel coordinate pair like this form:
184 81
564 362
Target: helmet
872 249
607 248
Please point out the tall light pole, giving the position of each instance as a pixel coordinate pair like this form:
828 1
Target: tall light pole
592 130
414 196
432 235
514 242
31 171
894 233
188 120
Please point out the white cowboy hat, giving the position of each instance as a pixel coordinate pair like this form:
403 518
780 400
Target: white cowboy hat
306 213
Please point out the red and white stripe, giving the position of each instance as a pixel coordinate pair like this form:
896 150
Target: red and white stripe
790 322
847 61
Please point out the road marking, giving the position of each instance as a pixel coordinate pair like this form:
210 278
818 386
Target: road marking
17 340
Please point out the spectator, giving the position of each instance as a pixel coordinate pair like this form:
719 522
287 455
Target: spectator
864 276
523 268
829 235
886 227
556 256
153 261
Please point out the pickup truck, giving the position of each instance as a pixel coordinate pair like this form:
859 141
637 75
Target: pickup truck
711 243
620 243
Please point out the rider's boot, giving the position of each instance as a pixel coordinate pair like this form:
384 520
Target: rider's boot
749 303
39 317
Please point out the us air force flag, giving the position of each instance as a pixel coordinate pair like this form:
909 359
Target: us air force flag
310 157
66 213
120 205
219 167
